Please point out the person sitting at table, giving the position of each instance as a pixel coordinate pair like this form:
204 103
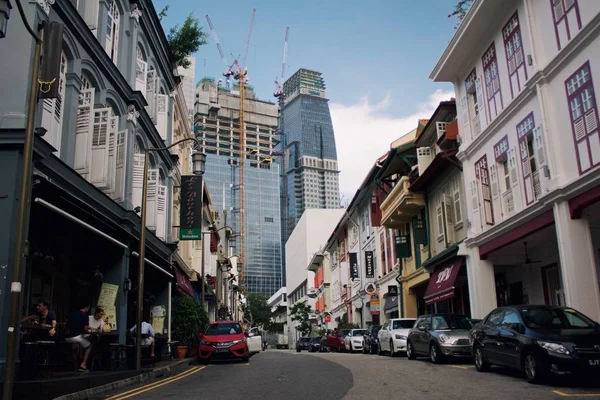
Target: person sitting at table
149 339
96 321
43 316
77 325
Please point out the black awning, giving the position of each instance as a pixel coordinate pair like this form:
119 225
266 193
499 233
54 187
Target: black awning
391 304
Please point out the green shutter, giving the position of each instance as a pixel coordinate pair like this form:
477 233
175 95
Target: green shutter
420 231
403 246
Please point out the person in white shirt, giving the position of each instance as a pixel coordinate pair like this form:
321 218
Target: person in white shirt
149 340
96 321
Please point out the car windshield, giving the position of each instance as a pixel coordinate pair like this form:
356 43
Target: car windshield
441 322
403 324
304 340
358 332
223 329
344 332
376 329
555 318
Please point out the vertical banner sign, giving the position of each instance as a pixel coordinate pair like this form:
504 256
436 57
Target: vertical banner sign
49 80
369 269
353 265
190 217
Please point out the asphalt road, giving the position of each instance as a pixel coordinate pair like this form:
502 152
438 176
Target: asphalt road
287 375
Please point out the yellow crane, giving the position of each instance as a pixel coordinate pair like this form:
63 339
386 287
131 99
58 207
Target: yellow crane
240 74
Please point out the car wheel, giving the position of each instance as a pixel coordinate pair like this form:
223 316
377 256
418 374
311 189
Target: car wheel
480 362
410 352
434 354
374 347
392 352
534 368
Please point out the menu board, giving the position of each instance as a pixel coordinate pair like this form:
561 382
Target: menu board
106 301
158 315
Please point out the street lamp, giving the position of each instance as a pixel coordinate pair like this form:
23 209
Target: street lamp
4 16
199 160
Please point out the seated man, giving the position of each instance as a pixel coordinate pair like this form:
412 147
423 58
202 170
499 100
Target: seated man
44 317
149 340
77 326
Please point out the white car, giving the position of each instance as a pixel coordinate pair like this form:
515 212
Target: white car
354 340
254 341
393 334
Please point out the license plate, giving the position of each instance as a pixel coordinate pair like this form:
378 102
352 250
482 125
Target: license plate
594 363
221 350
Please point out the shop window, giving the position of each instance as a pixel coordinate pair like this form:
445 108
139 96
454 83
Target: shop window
515 55
483 177
403 245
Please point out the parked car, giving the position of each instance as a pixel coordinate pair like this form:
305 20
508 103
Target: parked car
302 343
393 334
538 340
370 341
254 339
335 342
323 348
314 344
224 340
440 336
354 340
282 341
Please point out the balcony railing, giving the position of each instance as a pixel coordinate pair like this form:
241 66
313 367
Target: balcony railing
401 205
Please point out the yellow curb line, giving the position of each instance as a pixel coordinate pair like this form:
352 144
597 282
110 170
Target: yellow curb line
575 394
145 388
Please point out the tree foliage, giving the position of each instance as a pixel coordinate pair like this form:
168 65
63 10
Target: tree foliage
260 310
299 313
184 40
189 320
460 10
344 324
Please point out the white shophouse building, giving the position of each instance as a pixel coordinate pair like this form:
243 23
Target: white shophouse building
523 72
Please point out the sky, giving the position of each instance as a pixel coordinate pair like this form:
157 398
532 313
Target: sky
375 57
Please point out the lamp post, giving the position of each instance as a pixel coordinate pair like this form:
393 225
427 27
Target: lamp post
23 204
199 160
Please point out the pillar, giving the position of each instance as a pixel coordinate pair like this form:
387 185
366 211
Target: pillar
482 283
116 275
577 262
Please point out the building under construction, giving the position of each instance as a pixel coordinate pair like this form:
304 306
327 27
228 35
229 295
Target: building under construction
216 124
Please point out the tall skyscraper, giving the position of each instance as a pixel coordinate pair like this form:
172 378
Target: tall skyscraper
217 126
309 174
188 76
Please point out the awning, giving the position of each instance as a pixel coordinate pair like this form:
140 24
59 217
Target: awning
391 304
441 284
183 283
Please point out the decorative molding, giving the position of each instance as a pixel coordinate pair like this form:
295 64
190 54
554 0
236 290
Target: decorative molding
45 5
132 114
135 13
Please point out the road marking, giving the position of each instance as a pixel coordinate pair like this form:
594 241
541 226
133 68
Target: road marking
142 389
562 394
460 366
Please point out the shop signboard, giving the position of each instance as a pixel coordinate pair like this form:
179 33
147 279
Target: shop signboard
190 217
374 304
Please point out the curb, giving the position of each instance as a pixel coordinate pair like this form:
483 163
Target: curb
142 377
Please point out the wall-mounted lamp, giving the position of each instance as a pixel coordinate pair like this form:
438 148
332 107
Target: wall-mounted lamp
5 8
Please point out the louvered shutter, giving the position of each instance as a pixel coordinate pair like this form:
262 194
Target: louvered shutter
540 159
83 131
151 85
526 171
141 74
151 199
161 212
162 101
513 201
449 218
121 166
137 179
495 187
466 123
475 228
481 104
440 221
90 13
100 147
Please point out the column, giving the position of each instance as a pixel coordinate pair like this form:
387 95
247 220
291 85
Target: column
577 262
116 275
482 284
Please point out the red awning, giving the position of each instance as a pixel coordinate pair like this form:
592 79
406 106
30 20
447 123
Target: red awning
183 283
441 284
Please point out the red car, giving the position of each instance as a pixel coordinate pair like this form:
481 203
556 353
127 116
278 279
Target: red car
223 340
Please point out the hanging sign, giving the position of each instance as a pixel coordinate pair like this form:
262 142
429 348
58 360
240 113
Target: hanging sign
190 217
369 268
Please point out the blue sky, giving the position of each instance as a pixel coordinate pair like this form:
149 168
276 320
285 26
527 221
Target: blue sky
375 56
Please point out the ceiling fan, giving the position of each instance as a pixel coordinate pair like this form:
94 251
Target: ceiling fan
527 259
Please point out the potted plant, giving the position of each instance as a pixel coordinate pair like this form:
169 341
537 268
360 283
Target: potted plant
189 320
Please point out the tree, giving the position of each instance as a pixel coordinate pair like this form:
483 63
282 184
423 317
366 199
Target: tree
460 10
344 324
184 40
189 320
260 310
299 313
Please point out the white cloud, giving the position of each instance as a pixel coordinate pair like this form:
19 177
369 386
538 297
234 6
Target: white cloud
363 134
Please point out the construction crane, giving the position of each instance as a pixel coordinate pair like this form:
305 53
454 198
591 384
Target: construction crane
279 86
239 73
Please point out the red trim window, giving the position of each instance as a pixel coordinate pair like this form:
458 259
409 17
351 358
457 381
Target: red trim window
483 176
565 14
583 111
382 243
528 162
515 55
492 81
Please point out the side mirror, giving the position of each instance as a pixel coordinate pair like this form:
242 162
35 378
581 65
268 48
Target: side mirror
517 328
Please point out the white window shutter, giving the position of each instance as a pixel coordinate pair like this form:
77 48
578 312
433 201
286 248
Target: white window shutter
151 91
90 12
440 222
449 218
475 227
137 179
495 187
100 142
514 180
162 100
121 166
526 171
151 199
466 122
48 118
540 158
161 212
481 104
83 131
141 71
458 214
